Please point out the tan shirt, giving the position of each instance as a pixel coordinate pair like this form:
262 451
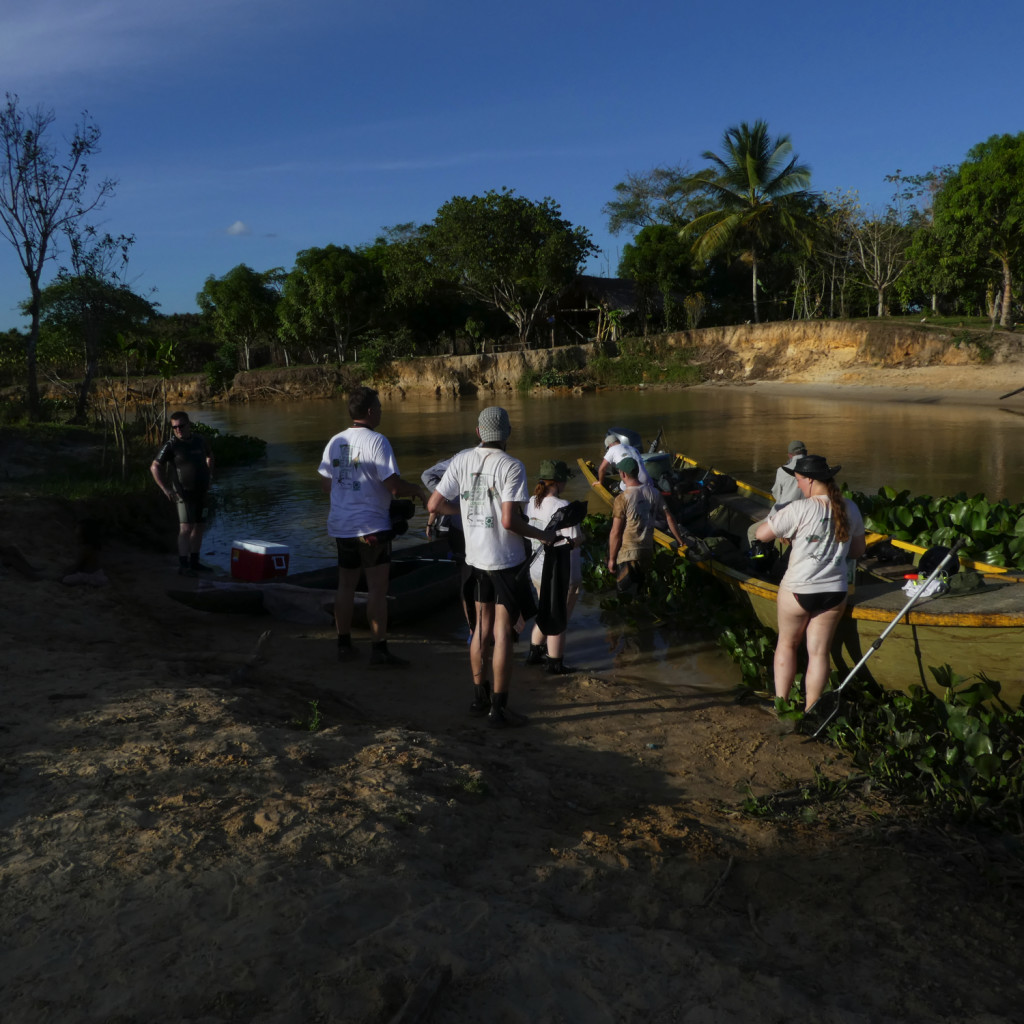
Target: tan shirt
638 506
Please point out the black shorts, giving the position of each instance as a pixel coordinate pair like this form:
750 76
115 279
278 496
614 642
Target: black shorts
191 507
364 552
816 603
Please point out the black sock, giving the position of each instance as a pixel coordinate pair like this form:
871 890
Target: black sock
193 559
380 645
344 639
183 561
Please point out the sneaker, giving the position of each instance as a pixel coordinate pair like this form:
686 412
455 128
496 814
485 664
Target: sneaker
382 658
199 567
186 570
346 652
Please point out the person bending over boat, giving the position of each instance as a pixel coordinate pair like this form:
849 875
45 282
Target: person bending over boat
615 452
492 488
358 470
631 540
546 501
824 529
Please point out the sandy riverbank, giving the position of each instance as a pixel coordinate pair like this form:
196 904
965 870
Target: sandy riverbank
177 845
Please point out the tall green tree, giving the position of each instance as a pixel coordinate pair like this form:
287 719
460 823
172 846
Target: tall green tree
329 297
42 196
241 308
979 214
511 253
663 195
90 304
758 196
660 265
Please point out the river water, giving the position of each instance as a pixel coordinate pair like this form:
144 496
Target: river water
924 446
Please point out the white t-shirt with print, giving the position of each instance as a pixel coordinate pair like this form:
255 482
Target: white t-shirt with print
817 564
357 461
482 479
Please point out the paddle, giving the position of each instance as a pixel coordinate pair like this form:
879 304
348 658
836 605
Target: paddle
888 629
1011 393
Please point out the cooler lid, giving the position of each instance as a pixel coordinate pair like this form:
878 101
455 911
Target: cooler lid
260 547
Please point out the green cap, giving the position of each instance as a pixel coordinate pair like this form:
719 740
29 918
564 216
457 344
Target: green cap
553 469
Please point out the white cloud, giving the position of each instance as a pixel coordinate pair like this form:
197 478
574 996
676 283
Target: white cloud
239 228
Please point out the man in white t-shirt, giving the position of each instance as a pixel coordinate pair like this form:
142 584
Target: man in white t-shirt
615 452
359 471
491 488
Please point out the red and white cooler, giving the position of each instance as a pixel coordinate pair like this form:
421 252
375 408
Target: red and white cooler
256 560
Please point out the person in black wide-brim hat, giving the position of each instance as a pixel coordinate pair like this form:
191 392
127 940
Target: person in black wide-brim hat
824 529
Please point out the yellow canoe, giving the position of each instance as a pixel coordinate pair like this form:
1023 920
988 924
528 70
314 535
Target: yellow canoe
980 632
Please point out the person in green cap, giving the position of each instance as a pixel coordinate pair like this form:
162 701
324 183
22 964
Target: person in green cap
545 502
631 538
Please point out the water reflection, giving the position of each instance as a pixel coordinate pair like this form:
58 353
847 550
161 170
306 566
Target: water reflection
918 445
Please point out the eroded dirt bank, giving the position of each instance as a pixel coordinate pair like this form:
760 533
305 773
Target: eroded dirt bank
862 353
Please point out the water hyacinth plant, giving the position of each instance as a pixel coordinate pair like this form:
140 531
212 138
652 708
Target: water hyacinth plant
994 531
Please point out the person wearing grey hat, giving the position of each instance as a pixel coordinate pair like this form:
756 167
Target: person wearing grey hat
784 489
824 530
358 470
491 488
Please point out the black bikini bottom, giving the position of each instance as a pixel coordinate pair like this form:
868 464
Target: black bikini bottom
814 603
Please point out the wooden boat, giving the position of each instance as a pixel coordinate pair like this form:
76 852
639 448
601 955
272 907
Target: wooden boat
978 632
423 578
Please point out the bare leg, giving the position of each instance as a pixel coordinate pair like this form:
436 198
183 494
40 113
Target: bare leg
345 599
501 657
820 630
481 638
195 538
792 624
184 539
377 600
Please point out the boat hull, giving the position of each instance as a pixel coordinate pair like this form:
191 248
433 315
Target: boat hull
423 579
977 633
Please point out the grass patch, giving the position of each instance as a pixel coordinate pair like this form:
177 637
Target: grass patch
648 360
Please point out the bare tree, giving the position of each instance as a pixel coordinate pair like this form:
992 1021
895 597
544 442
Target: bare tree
881 251
41 197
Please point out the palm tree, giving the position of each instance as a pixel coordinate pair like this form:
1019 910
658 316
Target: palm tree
754 194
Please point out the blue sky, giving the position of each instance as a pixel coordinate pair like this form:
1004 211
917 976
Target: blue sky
243 131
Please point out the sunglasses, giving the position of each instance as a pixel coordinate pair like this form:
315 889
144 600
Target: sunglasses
178 426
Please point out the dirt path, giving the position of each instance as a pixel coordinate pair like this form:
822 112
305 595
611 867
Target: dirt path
178 845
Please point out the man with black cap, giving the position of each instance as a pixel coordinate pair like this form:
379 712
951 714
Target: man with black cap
491 487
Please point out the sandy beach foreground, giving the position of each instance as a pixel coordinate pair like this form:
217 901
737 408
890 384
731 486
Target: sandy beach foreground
178 845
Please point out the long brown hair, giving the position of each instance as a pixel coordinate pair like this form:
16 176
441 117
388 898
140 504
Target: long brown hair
840 516
540 492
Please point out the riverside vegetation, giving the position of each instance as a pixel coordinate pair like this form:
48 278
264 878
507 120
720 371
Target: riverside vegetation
955 750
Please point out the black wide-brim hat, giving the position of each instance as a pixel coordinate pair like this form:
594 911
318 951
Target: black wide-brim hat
814 466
